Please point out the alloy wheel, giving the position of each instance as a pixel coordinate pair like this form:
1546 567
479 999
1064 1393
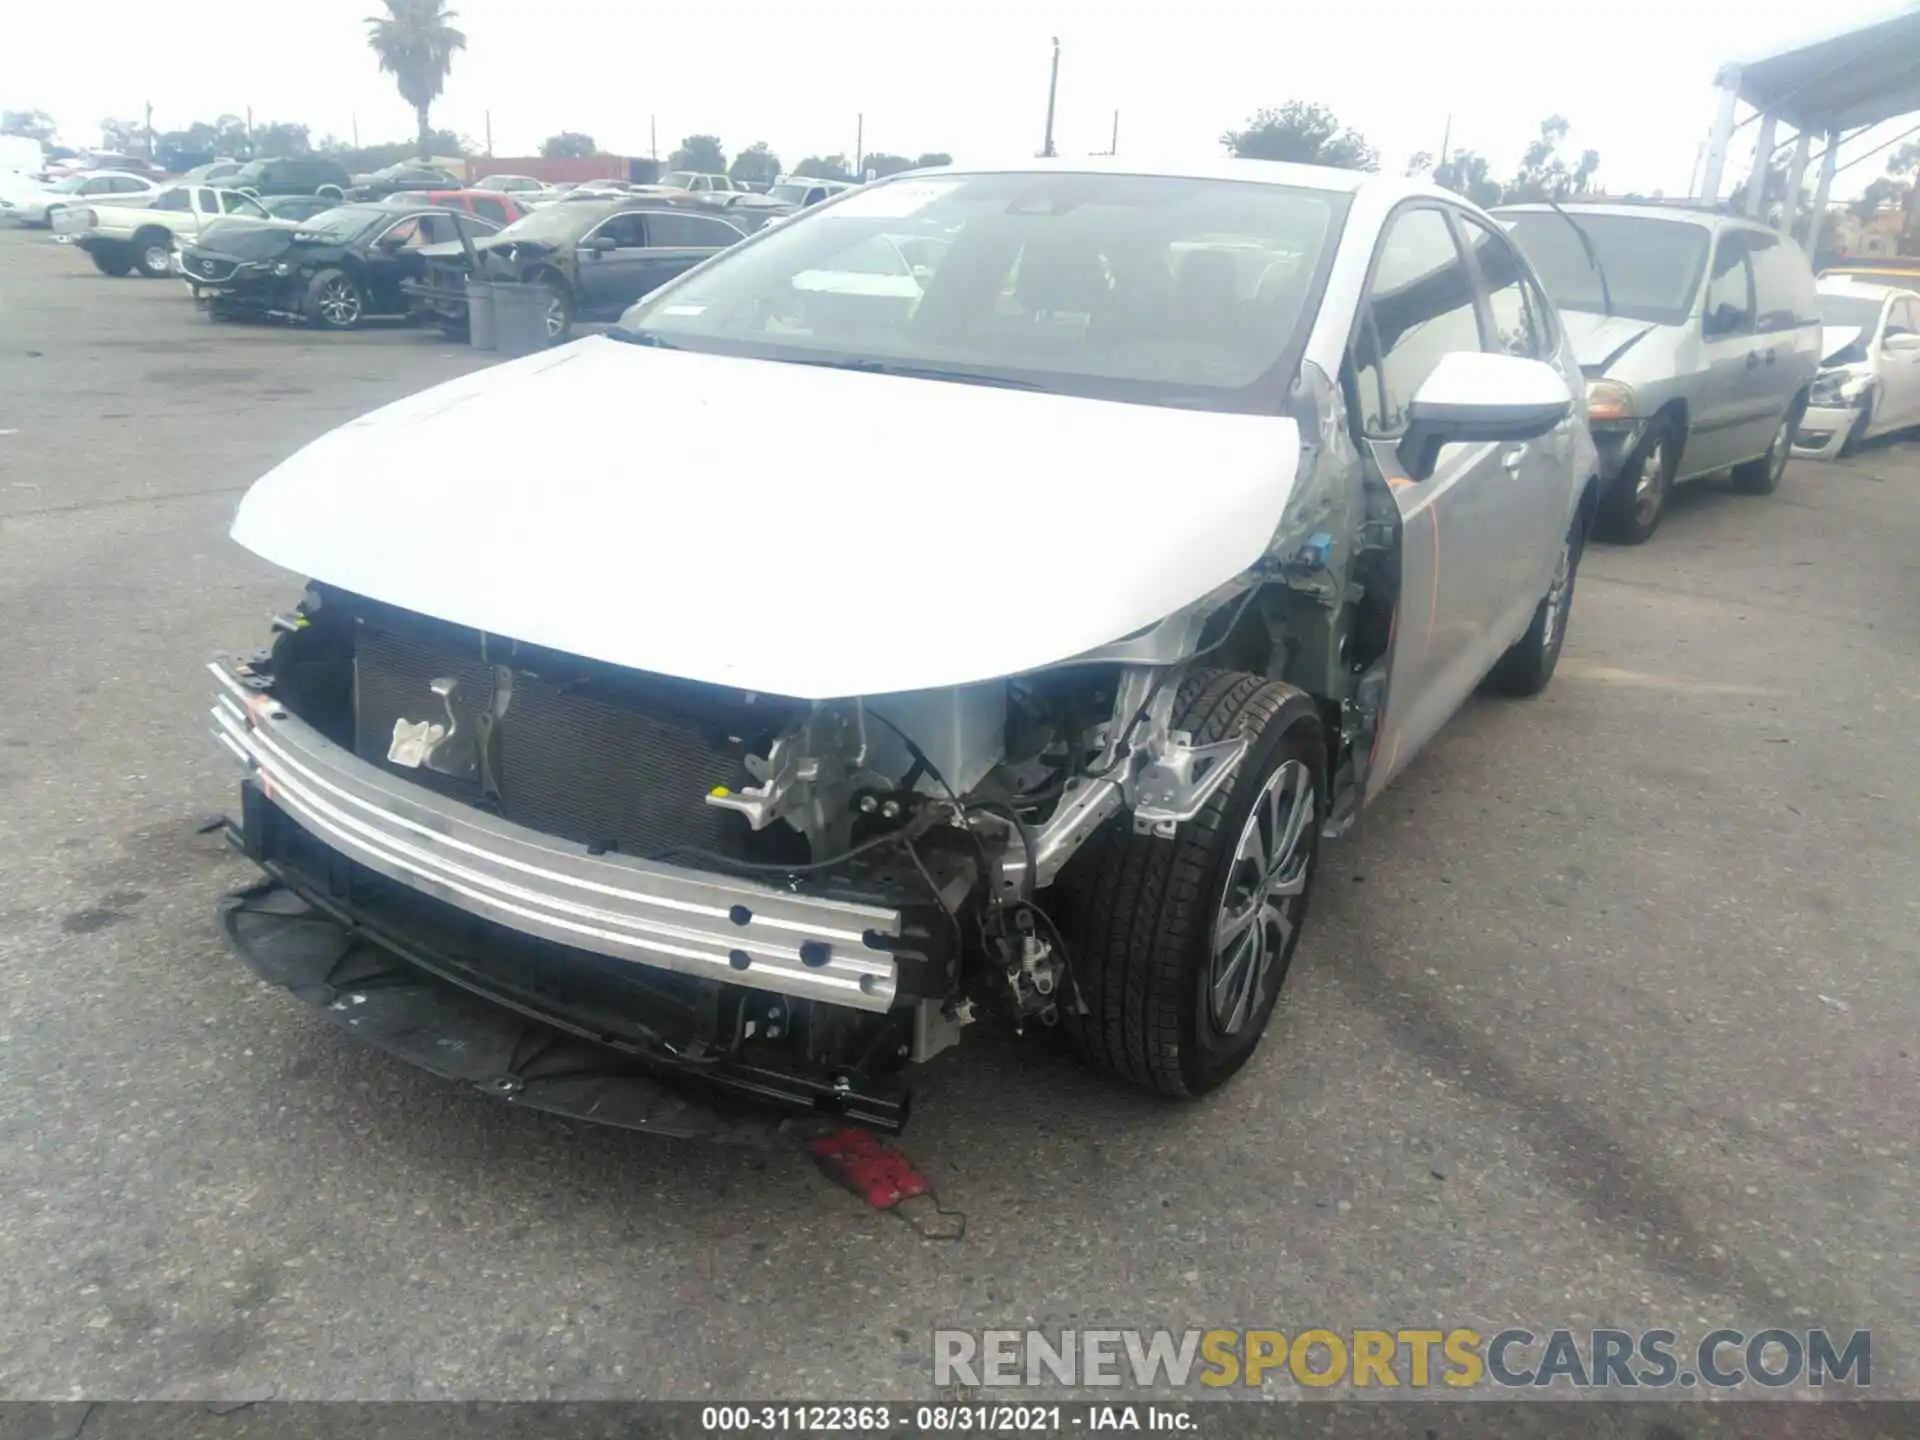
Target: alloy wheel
1777 455
159 259
556 317
1265 890
339 302
1649 489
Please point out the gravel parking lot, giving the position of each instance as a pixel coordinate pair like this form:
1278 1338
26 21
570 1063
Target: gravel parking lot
1606 1017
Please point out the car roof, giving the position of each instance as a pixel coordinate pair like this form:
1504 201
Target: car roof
1673 213
1866 289
1187 167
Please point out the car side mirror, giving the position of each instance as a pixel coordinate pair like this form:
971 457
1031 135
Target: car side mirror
601 244
1476 398
1903 343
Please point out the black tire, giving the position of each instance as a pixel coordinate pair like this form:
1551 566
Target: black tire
1762 476
153 253
112 262
1528 665
559 308
1633 507
1142 912
334 301
220 312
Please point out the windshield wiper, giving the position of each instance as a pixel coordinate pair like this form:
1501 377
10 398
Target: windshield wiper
912 372
640 337
1593 257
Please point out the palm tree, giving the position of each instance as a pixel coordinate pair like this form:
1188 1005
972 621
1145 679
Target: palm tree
415 41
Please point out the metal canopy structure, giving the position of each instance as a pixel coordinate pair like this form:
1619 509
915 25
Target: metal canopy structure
1826 86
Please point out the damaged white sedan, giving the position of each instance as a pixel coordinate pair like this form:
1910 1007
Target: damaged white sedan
1150 531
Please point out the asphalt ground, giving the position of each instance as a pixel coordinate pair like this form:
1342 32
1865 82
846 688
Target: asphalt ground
1607 1016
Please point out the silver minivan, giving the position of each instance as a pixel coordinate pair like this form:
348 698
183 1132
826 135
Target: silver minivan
1698 333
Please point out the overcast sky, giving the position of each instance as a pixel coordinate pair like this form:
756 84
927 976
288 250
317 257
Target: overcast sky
1633 76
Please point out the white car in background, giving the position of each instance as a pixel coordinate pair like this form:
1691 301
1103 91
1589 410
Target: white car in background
1869 380
38 204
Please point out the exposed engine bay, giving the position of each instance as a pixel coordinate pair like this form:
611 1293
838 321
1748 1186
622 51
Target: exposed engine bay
958 808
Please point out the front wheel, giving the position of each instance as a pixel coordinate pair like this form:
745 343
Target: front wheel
334 301
1183 944
559 312
1638 499
1528 666
1762 476
153 255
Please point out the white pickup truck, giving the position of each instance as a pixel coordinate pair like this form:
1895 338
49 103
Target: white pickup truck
121 238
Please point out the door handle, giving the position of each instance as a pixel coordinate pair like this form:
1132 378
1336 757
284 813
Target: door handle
1511 461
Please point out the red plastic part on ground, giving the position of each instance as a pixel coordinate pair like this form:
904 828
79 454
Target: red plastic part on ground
870 1167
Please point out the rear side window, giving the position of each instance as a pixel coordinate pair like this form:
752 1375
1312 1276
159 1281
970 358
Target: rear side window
491 209
170 200
1784 295
1514 305
628 232
1420 306
1729 307
699 231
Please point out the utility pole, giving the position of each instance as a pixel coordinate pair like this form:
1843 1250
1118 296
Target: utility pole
149 129
1053 87
1446 139
859 144
1113 145
489 115
356 129
249 129
653 139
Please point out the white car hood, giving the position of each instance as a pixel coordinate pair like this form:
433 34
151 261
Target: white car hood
1835 338
935 534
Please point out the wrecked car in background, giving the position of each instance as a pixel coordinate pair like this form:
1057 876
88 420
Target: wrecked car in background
1699 337
334 271
677 763
1869 380
595 258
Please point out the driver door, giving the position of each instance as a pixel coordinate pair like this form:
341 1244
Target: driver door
604 275
1455 537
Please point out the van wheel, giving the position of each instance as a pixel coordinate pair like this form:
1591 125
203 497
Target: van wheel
1528 667
1183 944
1762 476
153 254
1633 507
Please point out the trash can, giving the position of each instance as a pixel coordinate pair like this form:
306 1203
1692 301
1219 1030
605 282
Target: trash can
481 333
520 317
